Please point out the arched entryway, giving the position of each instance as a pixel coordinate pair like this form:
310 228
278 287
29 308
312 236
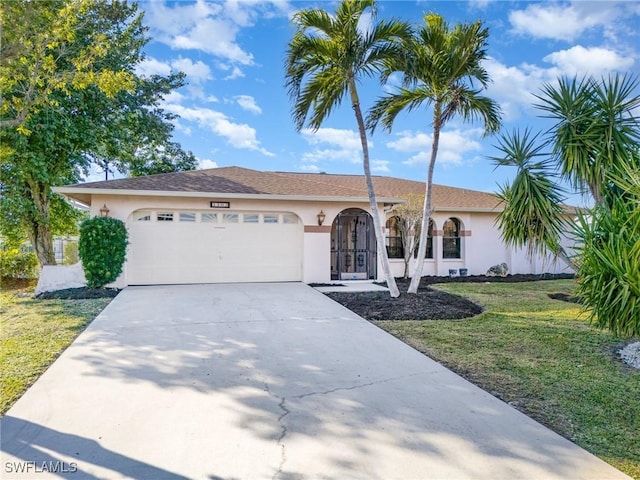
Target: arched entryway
353 246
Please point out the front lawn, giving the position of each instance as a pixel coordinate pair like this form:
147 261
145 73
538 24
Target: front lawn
33 333
536 354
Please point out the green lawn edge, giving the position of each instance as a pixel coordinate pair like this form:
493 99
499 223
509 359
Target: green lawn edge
34 333
542 357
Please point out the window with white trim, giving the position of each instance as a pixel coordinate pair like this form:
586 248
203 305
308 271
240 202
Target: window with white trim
164 216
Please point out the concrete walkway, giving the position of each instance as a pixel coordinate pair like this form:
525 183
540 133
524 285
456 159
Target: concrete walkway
268 381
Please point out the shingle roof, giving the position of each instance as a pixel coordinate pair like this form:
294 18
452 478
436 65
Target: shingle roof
238 180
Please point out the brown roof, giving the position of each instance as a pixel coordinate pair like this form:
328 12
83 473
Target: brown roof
237 180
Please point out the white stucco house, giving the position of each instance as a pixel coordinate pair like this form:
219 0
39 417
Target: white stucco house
233 224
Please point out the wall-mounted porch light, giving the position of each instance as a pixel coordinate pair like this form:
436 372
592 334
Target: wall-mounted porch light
321 217
104 211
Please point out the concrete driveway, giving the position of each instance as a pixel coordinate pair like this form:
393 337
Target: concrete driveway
265 381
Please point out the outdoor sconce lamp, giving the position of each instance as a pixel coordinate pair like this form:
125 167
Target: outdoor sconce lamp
321 217
104 211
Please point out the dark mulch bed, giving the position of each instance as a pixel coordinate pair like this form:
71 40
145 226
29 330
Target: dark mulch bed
428 304
430 280
79 293
564 297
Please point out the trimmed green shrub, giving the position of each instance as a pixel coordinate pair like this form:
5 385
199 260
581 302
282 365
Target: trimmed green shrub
15 263
102 249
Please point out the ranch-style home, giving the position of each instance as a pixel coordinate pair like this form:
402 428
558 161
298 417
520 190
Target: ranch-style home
234 224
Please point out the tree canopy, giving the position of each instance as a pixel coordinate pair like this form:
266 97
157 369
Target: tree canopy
57 125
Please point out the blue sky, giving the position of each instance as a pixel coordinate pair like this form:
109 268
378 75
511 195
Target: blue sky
236 111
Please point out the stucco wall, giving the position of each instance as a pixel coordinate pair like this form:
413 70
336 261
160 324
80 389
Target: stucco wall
480 249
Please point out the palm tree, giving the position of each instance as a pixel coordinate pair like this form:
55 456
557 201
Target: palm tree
325 59
533 216
440 68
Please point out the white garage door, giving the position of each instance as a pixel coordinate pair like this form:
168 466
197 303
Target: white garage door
180 246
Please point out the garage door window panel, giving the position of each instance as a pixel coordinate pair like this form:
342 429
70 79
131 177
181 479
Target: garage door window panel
164 217
268 218
187 216
230 218
251 218
209 218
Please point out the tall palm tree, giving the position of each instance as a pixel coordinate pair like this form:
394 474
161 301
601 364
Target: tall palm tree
440 67
326 57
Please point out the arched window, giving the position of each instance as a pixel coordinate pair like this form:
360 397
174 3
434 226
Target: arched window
429 253
395 247
451 238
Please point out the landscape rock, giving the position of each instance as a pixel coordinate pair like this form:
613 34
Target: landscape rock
500 270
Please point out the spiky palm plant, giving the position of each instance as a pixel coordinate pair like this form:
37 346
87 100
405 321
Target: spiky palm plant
533 217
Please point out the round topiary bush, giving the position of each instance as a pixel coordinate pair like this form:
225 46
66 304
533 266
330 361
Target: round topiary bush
102 249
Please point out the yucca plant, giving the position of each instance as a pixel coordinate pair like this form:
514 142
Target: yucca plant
533 216
609 273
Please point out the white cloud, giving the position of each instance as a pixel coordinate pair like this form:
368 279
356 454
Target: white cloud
380 166
581 61
513 87
204 163
248 103
343 146
317 155
345 139
197 72
562 22
238 135
210 27
151 66
453 147
174 97
199 26
310 168
235 73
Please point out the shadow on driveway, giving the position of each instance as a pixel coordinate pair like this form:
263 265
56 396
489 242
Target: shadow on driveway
269 381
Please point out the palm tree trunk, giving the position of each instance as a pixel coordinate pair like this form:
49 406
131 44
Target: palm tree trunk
426 211
382 250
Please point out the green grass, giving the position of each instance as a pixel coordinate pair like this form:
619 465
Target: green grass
539 355
33 333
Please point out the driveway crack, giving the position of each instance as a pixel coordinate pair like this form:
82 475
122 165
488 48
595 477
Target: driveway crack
356 387
283 433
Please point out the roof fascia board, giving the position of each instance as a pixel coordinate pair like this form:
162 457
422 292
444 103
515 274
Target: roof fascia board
72 191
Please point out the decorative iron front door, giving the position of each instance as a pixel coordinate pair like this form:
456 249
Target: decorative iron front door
353 246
